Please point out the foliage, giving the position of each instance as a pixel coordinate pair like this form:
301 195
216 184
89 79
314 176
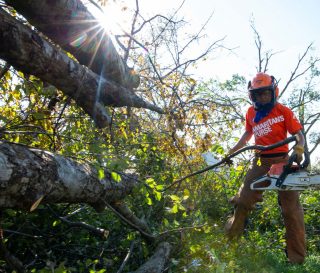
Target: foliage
159 159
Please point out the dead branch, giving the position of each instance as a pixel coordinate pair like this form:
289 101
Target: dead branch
294 74
258 43
165 233
128 214
99 232
135 223
267 55
158 260
132 245
126 56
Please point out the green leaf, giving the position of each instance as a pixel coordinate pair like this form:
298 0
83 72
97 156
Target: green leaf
193 248
174 209
239 168
175 198
151 183
186 194
158 195
55 223
116 177
17 138
159 187
149 201
101 174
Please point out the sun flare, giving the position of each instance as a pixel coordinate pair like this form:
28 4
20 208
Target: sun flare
113 17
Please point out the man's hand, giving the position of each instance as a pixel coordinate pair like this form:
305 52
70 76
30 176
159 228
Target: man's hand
298 150
228 161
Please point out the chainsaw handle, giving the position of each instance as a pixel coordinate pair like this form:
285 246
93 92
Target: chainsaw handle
286 170
306 161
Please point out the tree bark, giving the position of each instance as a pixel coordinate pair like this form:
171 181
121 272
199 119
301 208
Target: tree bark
158 260
27 51
69 24
27 175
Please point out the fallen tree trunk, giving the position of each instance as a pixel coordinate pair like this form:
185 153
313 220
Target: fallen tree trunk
29 175
69 24
158 261
27 51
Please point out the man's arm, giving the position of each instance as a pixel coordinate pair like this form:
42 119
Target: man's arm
298 149
301 140
241 143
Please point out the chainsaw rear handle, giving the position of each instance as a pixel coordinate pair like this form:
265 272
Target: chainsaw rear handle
287 169
306 161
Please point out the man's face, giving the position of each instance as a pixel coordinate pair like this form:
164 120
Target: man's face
263 97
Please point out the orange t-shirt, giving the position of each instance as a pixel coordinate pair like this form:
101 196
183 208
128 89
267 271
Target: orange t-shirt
273 128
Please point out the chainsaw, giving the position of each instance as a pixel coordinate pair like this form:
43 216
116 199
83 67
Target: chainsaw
288 177
284 176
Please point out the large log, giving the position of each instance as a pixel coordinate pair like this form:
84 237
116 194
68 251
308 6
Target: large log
28 52
69 24
29 175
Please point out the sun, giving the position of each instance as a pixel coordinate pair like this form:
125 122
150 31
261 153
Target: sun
108 21
114 17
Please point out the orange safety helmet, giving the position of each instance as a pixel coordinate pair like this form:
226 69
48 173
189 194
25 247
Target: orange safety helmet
262 82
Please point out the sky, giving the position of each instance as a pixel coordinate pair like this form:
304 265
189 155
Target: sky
284 26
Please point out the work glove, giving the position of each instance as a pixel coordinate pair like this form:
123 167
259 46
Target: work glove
228 160
298 150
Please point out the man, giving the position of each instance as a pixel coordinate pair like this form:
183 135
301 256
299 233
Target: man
269 122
